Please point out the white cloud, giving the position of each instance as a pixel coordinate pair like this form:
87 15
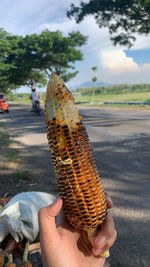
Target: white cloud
97 39
65 26
28 16
116 62
142 42
146 68
22 17
141 76
134 74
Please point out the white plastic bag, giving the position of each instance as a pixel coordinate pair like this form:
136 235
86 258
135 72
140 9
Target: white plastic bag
20 216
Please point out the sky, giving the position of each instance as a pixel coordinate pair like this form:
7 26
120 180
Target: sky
115 64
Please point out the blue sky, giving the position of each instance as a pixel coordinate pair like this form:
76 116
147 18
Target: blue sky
140 56
115 64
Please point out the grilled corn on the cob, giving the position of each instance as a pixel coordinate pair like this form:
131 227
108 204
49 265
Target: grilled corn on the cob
77 177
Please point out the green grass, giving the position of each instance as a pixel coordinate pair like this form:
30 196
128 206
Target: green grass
122 105
13 144
4 136
23 98
100 98
128 95
23 175
13 156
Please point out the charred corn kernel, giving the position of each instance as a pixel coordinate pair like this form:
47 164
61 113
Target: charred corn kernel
77 176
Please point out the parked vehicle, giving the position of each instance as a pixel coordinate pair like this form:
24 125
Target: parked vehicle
3 103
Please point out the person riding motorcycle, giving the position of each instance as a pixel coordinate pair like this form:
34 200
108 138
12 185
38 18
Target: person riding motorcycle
34 97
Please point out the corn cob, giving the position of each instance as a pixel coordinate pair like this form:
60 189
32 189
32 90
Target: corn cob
25 262
2 258
10 261
77 177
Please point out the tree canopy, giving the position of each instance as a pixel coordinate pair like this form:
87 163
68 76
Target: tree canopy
123 18
53 51
29 60
5 47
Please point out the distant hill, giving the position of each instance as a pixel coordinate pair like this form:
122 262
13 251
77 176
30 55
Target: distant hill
89 85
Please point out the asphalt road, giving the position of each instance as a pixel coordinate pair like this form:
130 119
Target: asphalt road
121 143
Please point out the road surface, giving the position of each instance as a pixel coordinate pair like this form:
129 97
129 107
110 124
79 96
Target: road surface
121 143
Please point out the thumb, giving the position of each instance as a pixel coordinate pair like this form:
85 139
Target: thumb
48 230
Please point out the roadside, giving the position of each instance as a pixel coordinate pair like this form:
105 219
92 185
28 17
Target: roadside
20 168
9 161
121 140
18 157
13 176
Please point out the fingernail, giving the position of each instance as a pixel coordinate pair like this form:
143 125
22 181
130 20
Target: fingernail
55 201
100 241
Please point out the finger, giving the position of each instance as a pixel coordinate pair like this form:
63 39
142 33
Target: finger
48 229
84 236
109 201
61 219
109 244
106 232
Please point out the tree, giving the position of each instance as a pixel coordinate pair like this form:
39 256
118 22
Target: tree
52 51
29 60
36 78
94 80
123 18
5 84
21 68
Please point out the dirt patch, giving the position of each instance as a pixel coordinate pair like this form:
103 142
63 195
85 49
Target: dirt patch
24 162
16 176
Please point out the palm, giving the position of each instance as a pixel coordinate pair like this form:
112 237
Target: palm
64 246
74 247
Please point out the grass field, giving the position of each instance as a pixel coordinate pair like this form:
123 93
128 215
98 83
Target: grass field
98 99
23 98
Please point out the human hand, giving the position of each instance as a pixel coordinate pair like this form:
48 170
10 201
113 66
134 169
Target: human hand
64 246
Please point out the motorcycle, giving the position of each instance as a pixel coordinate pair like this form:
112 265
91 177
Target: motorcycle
36 107
3 104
